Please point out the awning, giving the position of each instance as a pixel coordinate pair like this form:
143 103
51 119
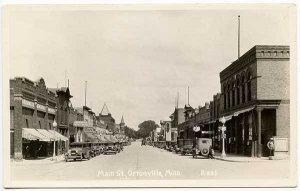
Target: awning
47 134
33 134
242 111
107 138
235 114
101 139
114 139
58 136
90 137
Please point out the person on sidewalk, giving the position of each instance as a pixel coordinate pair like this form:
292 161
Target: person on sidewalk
211 153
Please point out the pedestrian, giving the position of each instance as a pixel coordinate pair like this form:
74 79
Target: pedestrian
211 153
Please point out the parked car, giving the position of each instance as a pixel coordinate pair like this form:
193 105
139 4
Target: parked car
187 147
79 150
202 147
110 148
97 148
179 145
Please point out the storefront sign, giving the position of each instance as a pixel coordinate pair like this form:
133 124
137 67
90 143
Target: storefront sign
27 103
207 132
51 110
41 107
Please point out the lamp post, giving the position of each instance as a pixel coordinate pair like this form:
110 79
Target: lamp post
223 129
54 126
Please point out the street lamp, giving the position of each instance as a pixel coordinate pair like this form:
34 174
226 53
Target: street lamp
223 129
54 126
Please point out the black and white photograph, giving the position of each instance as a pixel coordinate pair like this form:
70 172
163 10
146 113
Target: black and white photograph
186 95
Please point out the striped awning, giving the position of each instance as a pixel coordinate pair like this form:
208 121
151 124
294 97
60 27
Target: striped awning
33 134
108 139
57 136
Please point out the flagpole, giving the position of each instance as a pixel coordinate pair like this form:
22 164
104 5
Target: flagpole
238 36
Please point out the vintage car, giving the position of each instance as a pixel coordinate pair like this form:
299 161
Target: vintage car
187 147
172 146
161 144
79 151
202 147
97 148
178 146
110 148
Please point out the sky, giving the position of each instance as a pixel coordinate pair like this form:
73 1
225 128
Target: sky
136 61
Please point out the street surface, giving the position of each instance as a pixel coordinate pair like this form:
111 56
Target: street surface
146 162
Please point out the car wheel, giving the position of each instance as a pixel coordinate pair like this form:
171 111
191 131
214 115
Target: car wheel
66 159
204 152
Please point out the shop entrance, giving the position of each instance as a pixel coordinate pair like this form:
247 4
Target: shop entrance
268 128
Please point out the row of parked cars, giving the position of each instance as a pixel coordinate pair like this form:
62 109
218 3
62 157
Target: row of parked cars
197 147
87 150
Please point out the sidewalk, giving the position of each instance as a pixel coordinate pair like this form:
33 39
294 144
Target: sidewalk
49 160
240 158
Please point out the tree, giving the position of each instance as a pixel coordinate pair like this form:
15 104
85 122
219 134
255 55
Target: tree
145 128
129 132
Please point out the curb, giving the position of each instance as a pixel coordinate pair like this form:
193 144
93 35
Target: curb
247 161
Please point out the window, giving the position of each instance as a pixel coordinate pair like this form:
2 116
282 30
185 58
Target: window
228 95
40 125
50 126
224 92
243 89
238 92
27 124
233 94
249 87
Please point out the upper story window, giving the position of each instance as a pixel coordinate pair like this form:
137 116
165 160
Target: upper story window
233 94
249 94
225 97
243 89
228 95
27 124
238 92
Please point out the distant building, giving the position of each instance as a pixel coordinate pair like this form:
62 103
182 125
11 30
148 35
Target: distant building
177 117
107 118
195 117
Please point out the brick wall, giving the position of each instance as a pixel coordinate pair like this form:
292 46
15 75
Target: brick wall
273 80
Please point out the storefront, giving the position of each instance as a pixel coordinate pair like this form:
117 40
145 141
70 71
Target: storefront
39 143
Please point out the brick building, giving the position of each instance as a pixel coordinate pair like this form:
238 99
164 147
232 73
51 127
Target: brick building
195 117
176 117
255 99
32 113
63 104
214 123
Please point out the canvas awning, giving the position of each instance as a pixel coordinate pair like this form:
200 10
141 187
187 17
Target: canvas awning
101 139
33 134
242 111
90 137
47 134
114 139
58 136
108 139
